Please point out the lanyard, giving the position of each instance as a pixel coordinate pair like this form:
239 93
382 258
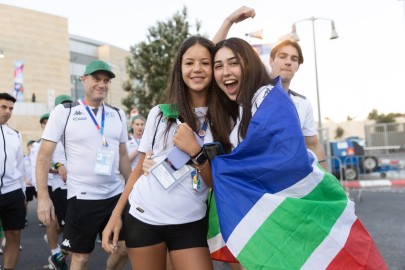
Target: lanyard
101 129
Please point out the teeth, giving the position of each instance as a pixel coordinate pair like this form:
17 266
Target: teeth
229 82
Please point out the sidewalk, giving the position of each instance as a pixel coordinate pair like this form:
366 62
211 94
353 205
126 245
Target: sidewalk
357 184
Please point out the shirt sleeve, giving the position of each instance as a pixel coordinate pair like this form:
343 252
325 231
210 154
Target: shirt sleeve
149 132
55 127
308 126
124 131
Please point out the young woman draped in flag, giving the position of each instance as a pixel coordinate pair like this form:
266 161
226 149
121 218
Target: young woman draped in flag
277 207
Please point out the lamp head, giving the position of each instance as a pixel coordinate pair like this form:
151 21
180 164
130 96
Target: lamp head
257 34
293 34
334 34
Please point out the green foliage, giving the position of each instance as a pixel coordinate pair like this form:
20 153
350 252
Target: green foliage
150 64
382 118
339 132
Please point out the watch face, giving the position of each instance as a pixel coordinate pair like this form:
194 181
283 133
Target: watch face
201 158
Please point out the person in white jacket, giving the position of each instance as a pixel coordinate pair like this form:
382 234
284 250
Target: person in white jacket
12 197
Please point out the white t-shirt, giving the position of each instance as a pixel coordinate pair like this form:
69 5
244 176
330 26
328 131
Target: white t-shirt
302 105
181 204
82 143
132 145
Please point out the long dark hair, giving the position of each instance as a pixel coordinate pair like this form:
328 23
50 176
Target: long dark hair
179 96
254 75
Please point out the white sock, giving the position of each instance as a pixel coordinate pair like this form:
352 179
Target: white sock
55 250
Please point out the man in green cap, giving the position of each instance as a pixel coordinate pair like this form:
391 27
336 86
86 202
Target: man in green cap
94 135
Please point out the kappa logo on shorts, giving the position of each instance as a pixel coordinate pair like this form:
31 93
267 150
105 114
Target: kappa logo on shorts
66 243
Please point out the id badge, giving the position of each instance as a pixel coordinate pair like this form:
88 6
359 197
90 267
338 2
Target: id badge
167 175
104 162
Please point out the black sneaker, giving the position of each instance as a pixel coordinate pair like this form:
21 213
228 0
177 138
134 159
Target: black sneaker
58 261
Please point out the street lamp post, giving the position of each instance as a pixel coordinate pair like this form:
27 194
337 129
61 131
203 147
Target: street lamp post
334 35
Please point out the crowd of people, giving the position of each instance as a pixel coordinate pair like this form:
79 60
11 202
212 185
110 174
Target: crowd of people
143 185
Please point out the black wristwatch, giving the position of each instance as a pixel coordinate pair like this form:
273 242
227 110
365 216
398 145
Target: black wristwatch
199 158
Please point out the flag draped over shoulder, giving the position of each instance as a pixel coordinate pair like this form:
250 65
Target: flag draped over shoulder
277 208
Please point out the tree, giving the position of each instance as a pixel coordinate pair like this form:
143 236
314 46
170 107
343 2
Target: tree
150 63
381 118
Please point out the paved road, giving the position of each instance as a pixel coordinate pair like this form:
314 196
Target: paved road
381 210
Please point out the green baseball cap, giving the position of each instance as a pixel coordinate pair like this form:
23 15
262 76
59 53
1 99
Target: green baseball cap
30 142
98 65
62 99
43 117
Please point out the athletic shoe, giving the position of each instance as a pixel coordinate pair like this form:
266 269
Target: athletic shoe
58 261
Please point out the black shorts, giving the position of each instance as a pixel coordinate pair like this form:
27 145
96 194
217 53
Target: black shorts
179 236
12 210
84 220
59 199
30 193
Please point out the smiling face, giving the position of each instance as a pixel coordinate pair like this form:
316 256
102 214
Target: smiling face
227 72
196 68
96 86
285 64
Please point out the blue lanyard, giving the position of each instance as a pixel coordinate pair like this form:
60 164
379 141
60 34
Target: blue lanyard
101 129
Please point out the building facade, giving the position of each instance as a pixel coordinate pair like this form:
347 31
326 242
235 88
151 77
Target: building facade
42 60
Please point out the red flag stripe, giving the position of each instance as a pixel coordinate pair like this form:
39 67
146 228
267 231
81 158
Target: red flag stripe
224 255
359 252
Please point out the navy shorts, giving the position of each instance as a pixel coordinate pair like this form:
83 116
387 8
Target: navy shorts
12 210
180 236
85 219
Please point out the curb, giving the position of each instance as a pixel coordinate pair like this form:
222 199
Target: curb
356 184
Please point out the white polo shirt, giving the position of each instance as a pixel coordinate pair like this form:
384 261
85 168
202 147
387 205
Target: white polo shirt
82 142
11 155
152 204
132 145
